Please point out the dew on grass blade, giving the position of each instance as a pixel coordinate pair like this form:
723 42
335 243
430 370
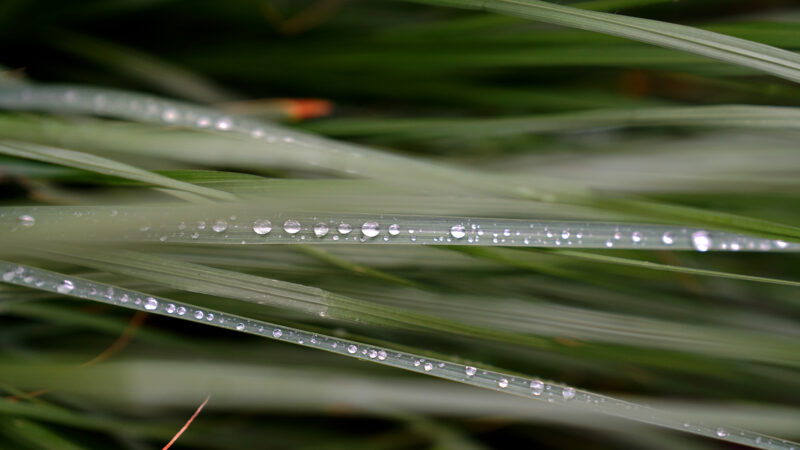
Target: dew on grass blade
262 226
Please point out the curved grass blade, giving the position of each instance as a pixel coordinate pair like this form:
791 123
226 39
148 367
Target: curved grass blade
778 62
92 163
241 224
564 396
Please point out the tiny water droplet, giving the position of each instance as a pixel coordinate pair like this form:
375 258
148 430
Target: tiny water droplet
568 393
506 232
170 308
458 231
382 355
428 367
181 310
219 226
722 432
636 237
65 287
373 353
291 226
394 229
345 228
276 333
609 243
565 234
198 315
537 387
320 229
195 235
502 382
239 326
701 241
26 221
224 124
370 229
150 304
262 226
170 115
667 238
470 371
352 349
781 244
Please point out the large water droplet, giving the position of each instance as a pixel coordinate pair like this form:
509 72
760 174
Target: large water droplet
26 221
345 228
352 349
276 333
170 308
262 226
565 234
320 229
701 241
568 393
428 366
198 315
219 226
537 387
65 287
502 382
667 238
458 231
394 229
291 226
382 355
370 229
470 371
150 304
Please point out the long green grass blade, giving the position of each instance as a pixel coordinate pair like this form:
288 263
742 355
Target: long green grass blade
564 396
762 57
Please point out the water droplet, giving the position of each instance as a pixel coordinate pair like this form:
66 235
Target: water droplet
428 367
667 238
370 229
394 229
382 355
258 133
609 243
373 353
198 315
458 231
291 226
537 387
150 304
181 310
352 349
506 232
170 115
701 241
470 371
320 229
568 393
565 234
276 333
240 326
262 226
223 124
26 221
8 276
722 432
345 228
781 244
203 122
195 235
219 226
502 382
170 308
65 287
636 237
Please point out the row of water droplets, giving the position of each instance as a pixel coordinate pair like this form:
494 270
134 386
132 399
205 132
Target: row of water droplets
521 386
429 230
484 232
